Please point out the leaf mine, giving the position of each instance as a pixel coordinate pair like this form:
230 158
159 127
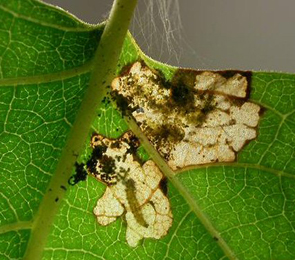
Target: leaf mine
134 189
196 118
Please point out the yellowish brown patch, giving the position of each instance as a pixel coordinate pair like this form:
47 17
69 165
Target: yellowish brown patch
197 118
133 189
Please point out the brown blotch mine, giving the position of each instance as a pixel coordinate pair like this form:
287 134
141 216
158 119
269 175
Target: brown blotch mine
134 188
198 117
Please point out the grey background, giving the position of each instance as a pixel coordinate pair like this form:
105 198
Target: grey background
215 34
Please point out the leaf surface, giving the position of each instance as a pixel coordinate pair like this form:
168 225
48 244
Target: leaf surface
238 210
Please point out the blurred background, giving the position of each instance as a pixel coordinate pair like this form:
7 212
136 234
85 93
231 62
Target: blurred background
207 34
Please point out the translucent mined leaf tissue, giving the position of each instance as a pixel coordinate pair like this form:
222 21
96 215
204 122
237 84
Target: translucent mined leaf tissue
196 118
133 189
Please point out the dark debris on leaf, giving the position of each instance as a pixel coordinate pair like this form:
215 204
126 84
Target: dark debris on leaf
80 174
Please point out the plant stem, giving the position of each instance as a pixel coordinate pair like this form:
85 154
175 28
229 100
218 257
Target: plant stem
103 71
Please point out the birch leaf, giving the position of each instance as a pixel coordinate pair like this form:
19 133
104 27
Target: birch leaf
220 146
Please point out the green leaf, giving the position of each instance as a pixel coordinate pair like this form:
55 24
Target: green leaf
235 210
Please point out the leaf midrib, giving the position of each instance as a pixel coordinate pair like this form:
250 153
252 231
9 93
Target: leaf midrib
103 70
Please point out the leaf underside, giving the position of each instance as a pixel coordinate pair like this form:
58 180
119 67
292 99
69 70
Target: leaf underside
45 68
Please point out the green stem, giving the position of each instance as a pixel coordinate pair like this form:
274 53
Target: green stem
103 71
